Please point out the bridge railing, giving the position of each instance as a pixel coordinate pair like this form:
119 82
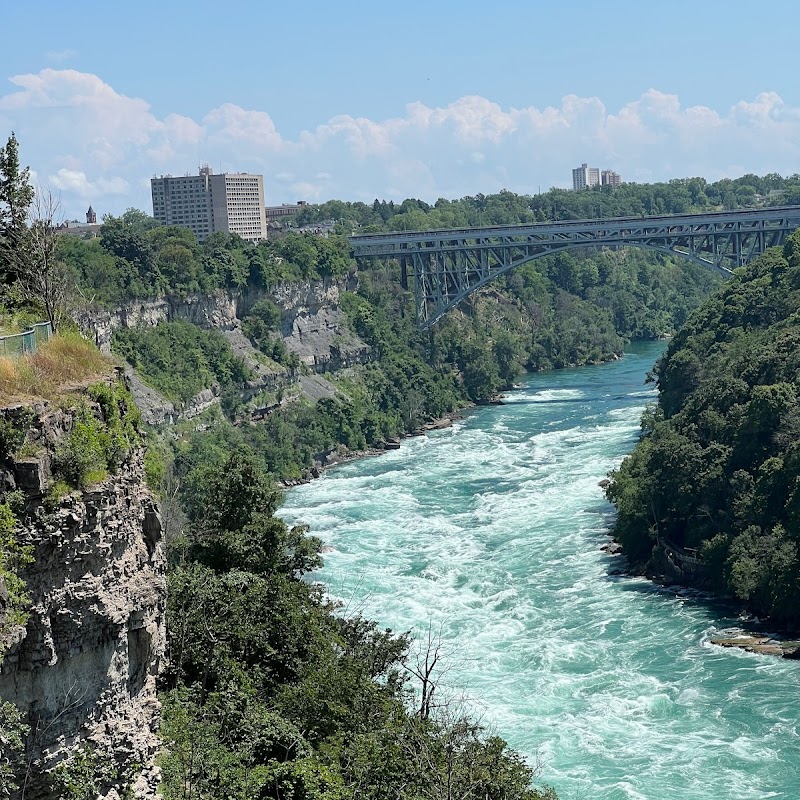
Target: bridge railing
20 344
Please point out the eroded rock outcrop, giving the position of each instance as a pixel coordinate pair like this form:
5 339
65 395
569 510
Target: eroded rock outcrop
83 670
312 324
313 327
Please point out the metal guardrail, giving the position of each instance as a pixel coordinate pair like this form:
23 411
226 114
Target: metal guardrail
25 343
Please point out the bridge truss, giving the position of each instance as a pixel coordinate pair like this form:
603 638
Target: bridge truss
449 265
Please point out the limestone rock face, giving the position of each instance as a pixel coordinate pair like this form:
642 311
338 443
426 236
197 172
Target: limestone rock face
217 310
83 670
312 326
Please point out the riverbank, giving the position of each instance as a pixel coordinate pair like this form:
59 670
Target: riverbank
766 640
342 454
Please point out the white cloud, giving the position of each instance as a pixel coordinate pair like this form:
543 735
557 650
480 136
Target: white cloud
97 144
76 183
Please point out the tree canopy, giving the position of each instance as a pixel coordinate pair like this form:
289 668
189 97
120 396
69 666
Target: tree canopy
719 467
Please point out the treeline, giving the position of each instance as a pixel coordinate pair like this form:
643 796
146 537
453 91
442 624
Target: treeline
271 692
135 257
718 468
679 196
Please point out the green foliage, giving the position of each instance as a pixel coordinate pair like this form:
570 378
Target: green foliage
262 326
86 774
719 469
99 441
135 257
180 359
13 558
12 736
13 433
269 694
16 195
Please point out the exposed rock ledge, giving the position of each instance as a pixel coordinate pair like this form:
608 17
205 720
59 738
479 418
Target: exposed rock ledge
760 643
84 668
313 327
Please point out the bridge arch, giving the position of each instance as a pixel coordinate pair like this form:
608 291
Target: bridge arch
449 265
462 292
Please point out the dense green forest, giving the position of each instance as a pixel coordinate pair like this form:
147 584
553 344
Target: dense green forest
679 196
718 468
271 692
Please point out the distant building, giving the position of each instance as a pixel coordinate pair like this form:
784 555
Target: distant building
275 213
585 176
206 203
74 227
610 178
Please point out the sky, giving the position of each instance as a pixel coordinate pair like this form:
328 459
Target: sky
362 100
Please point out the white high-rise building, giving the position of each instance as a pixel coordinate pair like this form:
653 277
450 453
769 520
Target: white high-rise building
584 176
206 203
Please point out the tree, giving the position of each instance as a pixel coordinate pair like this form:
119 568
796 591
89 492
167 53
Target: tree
43 277
16 195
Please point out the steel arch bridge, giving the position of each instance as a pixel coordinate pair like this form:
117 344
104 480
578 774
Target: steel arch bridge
448 265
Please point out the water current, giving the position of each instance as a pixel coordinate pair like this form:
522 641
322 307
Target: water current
492 531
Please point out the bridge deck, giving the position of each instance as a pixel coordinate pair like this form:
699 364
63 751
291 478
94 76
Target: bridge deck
387 244
448 265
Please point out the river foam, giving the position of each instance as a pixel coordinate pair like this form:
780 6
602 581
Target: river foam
491 531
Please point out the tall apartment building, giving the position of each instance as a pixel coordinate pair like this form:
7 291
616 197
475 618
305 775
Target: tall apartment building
584 176
206 203
610 178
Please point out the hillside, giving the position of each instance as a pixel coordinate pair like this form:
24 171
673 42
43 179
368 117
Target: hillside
717 475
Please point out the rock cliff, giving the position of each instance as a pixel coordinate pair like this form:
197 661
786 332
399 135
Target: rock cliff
312 326
83 670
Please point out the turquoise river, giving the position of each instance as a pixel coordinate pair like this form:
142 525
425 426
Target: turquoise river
491 531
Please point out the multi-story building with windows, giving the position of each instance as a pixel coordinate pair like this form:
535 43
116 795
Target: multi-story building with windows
278 213
585 176
610 178
206 203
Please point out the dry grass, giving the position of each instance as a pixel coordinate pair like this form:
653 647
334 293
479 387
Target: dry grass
66 360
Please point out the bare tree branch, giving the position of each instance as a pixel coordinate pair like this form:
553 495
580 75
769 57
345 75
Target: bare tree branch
42 276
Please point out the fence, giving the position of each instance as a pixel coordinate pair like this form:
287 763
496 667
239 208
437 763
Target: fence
25 343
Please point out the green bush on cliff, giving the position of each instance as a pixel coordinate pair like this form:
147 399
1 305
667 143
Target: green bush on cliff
13 557
180 359
719 468
97 445
13 612
13 433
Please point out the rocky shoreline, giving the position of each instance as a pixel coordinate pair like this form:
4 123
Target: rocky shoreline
341 454
761 643
784 644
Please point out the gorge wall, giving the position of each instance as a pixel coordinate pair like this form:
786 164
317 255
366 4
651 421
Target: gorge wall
312 326
83 669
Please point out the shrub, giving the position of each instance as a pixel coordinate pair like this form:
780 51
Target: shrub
96 446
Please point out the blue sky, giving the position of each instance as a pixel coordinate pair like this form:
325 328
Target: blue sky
357 100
